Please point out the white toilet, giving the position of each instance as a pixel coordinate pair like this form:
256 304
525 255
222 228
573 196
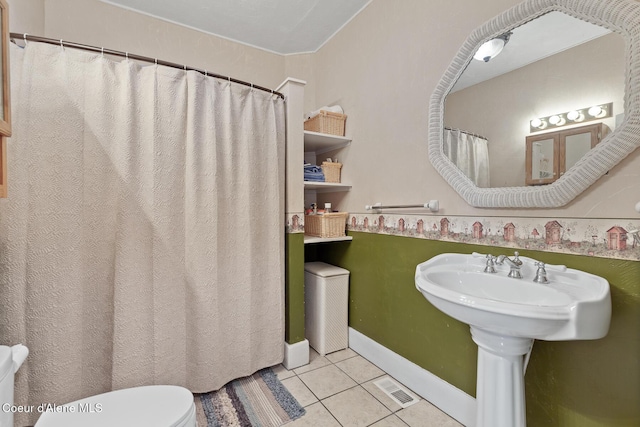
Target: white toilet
153 406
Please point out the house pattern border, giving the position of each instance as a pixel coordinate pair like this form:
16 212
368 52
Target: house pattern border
294 222
605 238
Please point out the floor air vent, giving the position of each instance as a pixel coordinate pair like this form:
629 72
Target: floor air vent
395 391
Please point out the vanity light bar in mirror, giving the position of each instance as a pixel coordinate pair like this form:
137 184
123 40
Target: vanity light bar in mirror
573 117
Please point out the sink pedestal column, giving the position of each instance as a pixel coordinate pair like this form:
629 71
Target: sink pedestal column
500 387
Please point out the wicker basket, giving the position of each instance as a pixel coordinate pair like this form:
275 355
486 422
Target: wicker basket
326 122
326 225
331 171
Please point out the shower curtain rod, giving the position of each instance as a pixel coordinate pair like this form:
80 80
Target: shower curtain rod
63 43
468 133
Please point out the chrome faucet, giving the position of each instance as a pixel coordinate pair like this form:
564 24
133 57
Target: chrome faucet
491 264
514 264
541 274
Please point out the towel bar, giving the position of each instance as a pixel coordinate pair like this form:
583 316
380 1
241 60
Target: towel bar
432 205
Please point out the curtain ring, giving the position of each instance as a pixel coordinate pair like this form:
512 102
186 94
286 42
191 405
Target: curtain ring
156 61
102 52
24 36
126 55
206 73
62 44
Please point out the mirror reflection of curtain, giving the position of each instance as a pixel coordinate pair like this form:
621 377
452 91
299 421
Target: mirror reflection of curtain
470 153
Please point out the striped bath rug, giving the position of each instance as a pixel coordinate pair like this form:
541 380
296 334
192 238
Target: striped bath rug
256 401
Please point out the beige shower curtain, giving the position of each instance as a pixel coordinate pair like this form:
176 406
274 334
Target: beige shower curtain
142 240
470 153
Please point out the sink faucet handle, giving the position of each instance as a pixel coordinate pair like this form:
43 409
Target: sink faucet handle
541 274
491 262
516 258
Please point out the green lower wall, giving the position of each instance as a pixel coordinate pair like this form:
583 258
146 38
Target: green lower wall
579 383
294 288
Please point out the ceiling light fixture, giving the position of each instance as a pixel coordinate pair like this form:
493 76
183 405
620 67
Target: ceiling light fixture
492 48
573 117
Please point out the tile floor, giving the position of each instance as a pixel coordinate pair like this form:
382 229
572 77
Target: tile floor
337 390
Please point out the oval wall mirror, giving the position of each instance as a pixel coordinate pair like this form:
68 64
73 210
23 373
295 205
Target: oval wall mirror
576 52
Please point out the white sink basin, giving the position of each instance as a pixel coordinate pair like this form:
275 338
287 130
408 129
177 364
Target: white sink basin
506 315
574 305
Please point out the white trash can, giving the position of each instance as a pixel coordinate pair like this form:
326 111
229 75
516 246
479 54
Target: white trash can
326 298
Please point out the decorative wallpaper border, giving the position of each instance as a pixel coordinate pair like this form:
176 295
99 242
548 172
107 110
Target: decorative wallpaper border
606 238
294 222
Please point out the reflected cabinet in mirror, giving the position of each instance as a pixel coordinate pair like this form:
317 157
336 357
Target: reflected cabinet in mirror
550 155
552 56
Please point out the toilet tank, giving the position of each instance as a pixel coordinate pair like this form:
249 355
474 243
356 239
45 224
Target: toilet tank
11 359
6 386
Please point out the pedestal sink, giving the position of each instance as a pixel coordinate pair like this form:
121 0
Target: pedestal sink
507 314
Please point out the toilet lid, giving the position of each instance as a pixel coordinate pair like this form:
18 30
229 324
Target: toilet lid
153 406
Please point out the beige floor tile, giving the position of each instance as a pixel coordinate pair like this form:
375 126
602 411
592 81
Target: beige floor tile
316 416
424 414
390 421
281 372
340 355
355 407
315 361
327 381
360 369
300 391
382 396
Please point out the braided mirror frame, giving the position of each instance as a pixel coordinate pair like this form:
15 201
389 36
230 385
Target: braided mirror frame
619 16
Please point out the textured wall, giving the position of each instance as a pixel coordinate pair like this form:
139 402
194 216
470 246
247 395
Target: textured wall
100 24
294 288
26 16
382 68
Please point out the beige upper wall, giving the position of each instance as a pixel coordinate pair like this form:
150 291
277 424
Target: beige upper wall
96 23
26 16
382 68
301 66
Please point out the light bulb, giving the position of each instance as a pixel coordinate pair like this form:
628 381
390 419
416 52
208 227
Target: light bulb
573 115
536 123
595 111
554 120
492 47
489 50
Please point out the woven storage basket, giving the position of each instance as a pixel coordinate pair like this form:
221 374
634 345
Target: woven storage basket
326 225
326 122
331 171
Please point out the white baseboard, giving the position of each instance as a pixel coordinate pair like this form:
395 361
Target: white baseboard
450 399
296 355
